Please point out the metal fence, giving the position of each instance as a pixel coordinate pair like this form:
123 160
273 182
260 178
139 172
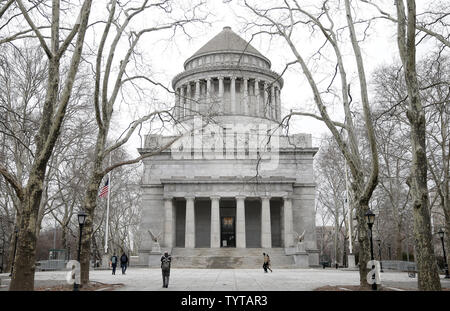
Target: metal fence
398 265
53 264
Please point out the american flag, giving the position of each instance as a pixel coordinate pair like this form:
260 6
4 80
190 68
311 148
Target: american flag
104 191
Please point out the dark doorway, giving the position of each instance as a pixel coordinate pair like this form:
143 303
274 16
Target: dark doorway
227 231
253 223
202 223
180 222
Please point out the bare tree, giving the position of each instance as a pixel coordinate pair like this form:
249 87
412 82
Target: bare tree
282 20
393 128
104 100
53 112
330 171
426 262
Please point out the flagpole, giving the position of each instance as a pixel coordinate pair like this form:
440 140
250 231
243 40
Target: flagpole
107 208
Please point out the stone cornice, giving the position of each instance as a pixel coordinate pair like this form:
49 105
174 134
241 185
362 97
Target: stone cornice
305 185
227 52
227 180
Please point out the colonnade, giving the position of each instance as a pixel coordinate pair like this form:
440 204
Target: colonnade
266 234
255 97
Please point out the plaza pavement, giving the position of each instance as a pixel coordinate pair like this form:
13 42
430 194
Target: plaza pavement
145 279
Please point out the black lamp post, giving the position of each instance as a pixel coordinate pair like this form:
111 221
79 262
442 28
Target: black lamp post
379 254
441 235
389 251
16 232
81 220
370 219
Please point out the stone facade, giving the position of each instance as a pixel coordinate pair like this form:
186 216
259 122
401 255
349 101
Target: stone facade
233 179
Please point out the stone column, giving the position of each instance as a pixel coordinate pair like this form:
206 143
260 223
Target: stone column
278 101
168 222
258 110
233 94
272 101
183 102
188 99
189 241
266 234
197 96
221 102
288 222
208 89
245 96
177 104
265 101
240 221
215 222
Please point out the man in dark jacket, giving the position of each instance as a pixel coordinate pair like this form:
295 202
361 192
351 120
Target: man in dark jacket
114 263
266 264
166 260
123 262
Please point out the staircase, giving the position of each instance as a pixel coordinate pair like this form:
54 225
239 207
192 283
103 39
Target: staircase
229 258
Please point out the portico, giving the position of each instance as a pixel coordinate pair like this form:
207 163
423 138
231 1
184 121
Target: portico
238 221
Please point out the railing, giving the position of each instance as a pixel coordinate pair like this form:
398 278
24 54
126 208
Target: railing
48 265
398 265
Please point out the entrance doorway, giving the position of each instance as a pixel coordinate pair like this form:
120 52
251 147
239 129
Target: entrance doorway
227 231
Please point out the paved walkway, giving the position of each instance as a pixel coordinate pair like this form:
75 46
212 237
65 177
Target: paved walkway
143 279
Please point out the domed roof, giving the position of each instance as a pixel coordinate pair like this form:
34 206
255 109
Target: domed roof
227 41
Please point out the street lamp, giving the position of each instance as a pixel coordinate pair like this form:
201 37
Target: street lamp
389 251
81 220
16 231
379 254
441 235
370 219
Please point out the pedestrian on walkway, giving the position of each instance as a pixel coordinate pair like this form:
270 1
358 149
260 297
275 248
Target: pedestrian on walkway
166 260
123 262
114 263
268 263
265 263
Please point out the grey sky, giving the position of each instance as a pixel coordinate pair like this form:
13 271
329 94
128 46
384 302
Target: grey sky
166 58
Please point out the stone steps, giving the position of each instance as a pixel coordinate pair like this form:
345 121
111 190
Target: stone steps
229 258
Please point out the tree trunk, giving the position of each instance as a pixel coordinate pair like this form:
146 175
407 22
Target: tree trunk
90 203
363 242
64 237
446 209
424 253
399 248
10 259
24 264
12 239
88 228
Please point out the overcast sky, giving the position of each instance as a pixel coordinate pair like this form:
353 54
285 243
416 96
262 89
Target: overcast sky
166 58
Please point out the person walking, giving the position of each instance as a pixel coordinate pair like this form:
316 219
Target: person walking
265 263
268 263
166 260
114 263
123 262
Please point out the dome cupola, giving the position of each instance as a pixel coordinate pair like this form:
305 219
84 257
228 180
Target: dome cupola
228 77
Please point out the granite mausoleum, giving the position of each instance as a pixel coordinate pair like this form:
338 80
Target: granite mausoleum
234 185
